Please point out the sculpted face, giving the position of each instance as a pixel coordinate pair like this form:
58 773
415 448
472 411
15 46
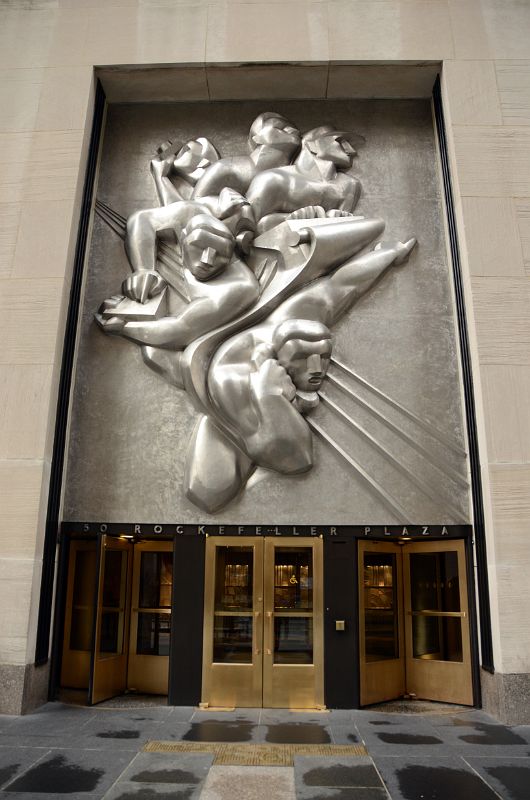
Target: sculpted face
335 148
195 157
207 247
306 362
275 131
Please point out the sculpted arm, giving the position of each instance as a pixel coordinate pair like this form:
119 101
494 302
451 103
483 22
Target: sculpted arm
232 173
144 227
280 439
225 298
268 193
165 189
326 299
349 282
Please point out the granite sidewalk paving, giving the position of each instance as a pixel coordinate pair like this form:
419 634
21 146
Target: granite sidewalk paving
93 753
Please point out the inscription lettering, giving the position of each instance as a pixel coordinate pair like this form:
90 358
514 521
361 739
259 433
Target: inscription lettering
354 531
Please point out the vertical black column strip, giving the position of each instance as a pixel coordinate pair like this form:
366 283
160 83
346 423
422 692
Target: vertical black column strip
56 475
187 621
60 609
474 460
341 656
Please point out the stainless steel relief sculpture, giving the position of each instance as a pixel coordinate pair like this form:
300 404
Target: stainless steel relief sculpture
237 279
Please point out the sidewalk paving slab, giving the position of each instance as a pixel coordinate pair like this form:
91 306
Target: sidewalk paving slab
435 778
344 793
15 760
189 768
249 783
95 753
71 772
510 777
155 791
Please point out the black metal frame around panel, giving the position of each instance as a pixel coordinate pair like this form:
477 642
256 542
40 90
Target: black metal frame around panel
486 642
473 626
60 610
63 400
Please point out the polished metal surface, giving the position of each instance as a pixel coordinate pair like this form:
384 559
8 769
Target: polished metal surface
254 275
253 344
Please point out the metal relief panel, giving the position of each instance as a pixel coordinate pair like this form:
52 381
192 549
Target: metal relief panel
267 331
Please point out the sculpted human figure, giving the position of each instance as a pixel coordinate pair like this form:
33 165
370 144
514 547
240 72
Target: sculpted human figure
219 285
252 355
273 142
315 185
264 379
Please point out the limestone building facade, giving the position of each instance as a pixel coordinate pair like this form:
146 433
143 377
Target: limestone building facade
53 53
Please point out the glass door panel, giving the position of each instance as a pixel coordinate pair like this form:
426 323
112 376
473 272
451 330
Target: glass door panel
151 617
437 622
435 606
381 626
112 621
79 614
233 612
380 630
232 643
293 647
109 663
293 605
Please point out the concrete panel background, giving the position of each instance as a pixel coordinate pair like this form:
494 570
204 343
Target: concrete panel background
130 430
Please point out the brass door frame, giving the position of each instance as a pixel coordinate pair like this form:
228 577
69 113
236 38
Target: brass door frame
146 673
262 683
385 679
435 678
231 685
445 681
109 671
75 666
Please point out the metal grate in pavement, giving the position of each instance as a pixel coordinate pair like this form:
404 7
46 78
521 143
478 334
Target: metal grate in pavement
256 755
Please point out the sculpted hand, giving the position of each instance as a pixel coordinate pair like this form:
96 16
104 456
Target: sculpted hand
140 286
112 325
338 212
272 379
308 212
162 167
